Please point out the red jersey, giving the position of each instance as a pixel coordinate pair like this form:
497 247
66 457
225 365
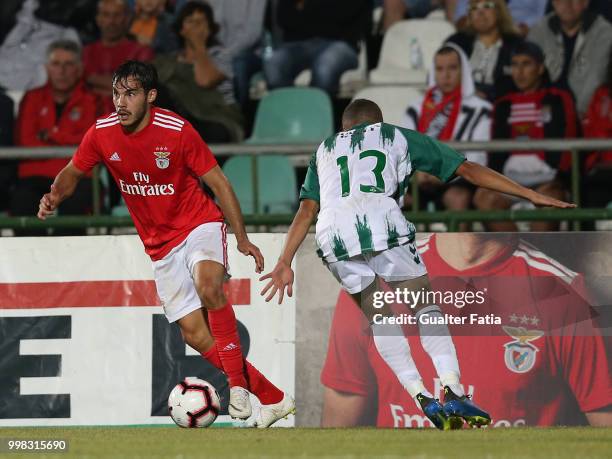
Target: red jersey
37 113
157 170
547 113
598 124
518 373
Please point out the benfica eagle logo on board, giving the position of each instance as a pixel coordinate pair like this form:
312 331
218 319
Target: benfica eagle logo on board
520 355
162 161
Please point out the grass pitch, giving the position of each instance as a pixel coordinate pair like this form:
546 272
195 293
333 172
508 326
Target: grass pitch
173 442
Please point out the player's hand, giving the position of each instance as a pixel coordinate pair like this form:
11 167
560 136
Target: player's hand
546 201
280 278
247 248
48 203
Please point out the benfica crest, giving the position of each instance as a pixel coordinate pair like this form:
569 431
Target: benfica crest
162 161
520 355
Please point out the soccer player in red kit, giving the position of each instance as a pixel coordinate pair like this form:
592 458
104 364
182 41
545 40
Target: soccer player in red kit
157 160
546 364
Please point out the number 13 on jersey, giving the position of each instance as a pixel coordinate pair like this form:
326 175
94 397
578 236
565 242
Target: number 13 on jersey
345 180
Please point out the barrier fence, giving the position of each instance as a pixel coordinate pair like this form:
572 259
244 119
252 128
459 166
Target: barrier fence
302 152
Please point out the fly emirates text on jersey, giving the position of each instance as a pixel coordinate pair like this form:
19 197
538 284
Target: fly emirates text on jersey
142 186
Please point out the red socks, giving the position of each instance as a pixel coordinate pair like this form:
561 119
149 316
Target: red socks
267 392
224 330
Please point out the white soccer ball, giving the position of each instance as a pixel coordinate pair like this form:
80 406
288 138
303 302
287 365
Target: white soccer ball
194 403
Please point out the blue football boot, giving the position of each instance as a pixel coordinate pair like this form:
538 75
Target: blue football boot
434 410
464 407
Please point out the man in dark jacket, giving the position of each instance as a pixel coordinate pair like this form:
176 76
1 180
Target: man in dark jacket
318 35
536 111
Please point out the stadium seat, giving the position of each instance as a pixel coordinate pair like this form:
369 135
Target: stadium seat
394 64
293 115
392 100
276 183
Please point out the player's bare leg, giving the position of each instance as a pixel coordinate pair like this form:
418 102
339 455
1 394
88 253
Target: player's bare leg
275 404
208 278
438 343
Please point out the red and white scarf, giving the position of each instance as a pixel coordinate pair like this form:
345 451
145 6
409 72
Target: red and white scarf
439 113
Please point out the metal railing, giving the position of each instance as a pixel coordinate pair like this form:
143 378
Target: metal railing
451 218
304 151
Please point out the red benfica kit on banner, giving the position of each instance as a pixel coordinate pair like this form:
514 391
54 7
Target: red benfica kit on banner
157 170
520 372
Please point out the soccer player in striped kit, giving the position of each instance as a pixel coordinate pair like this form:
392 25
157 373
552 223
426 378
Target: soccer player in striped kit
353 183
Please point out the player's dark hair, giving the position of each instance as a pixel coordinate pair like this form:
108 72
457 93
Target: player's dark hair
361 111
186 11
142 72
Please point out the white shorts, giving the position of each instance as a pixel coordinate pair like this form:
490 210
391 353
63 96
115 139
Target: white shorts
396 264
174 273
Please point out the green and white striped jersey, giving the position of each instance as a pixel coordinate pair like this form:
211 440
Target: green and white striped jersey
358 176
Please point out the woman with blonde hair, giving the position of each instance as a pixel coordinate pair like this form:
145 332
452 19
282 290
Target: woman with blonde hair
489 40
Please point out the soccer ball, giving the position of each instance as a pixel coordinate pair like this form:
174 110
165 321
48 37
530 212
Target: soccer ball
194 403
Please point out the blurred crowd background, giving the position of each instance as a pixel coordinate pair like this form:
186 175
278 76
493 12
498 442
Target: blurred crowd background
467 70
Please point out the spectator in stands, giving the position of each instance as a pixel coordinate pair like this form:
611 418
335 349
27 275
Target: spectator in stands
598 124
23 51
102 57
525 13
196 81
536 111
152 26
318 35
576 43
241 27
398 10
489 41
77 14
58 113
450 110
7 166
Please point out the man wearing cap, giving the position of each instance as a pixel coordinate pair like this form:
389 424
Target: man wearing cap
537 110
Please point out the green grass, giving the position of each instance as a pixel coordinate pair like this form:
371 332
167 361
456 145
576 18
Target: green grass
173 442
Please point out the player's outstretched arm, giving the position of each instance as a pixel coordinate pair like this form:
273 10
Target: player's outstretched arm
488 178
62 188
221 187
281 276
